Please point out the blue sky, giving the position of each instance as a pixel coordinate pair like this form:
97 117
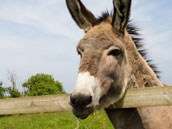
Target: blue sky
39 36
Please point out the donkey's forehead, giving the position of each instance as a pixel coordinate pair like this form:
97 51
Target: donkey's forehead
101 36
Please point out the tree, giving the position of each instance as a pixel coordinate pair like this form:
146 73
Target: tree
2 91
42 84
14 93
12 90
13 79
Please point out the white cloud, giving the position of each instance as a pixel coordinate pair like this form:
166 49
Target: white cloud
49 16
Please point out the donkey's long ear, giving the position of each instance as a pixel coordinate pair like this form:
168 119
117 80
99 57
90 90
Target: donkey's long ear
121 14
82 16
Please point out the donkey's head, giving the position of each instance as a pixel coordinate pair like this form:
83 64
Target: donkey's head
104 70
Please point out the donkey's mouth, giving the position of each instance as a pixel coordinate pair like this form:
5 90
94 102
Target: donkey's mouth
82 112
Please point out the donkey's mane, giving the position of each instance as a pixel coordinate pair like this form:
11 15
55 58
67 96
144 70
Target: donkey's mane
133 30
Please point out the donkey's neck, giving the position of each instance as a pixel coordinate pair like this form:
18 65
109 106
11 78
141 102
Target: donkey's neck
125 118
142 75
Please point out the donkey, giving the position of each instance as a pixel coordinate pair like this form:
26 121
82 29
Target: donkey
112 61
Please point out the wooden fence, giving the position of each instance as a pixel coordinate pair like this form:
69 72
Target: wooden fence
143 97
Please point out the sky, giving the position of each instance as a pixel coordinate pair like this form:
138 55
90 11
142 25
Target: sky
39 36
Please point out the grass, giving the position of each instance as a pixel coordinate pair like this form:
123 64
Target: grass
61 120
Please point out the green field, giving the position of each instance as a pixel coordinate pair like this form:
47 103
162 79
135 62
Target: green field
62 120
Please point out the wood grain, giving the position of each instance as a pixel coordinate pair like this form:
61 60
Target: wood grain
143 97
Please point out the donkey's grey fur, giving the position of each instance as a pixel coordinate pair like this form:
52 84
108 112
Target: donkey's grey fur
110 52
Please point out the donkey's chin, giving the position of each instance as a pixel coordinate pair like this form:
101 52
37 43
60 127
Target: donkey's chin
82 112
113 96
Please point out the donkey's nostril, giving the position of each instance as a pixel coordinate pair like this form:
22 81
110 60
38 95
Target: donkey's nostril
80 100
88 100
73 100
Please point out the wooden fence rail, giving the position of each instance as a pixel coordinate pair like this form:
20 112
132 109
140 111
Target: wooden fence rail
143 97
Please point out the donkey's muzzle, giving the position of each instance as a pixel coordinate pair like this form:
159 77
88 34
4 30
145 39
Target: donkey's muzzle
80 104
80 100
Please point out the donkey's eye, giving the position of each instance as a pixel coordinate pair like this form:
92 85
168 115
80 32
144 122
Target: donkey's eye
114 52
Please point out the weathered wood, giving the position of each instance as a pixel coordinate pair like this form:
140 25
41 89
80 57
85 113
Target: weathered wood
146 97
142 97
53 103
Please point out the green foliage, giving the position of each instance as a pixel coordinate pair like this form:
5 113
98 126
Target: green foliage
60 120
2 91
42 84
14 93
